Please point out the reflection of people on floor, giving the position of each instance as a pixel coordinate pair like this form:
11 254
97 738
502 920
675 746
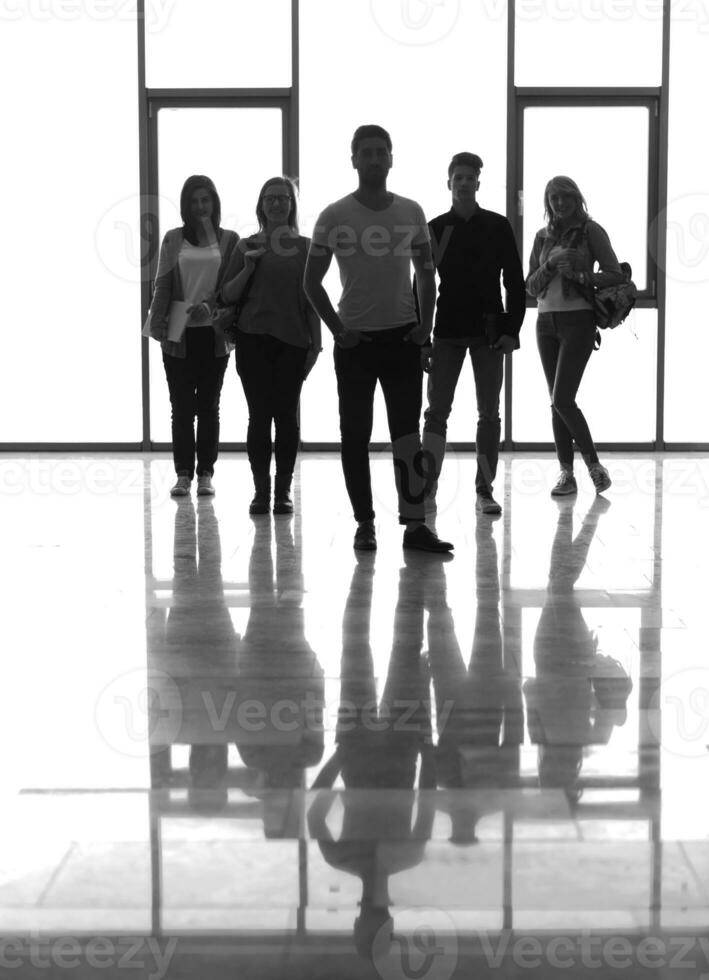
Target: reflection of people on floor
279 671
478 706
192 654
577 695
263 692
385 822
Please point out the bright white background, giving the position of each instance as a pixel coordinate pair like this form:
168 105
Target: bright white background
434 75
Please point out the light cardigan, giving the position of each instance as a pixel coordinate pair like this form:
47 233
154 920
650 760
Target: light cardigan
168 287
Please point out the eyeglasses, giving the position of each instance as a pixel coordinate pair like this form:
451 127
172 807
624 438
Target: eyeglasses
272 198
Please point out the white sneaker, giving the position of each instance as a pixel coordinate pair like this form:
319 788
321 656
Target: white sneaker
182 486
205 487
600 476
565 485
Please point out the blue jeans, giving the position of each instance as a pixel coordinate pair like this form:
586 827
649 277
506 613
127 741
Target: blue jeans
488 366
565 341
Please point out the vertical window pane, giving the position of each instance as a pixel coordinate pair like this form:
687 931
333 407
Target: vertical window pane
70 368
687 216
556 142
212 44
617 394
435 79
582 42
239 149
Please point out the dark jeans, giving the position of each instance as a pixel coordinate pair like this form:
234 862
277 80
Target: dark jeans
271 373
195 384
396 365
565 342
446 363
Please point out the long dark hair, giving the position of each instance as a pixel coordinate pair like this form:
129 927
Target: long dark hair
567 186
193 183
292 190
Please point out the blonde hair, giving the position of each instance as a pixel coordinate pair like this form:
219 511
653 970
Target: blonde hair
567 186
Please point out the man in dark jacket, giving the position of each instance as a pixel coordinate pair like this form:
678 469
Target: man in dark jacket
472 248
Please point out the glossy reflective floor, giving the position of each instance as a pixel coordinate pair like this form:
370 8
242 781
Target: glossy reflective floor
234 748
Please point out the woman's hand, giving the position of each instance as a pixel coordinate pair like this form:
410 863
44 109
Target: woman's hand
158 329
251 257
310 359
199 312
350 338
564 261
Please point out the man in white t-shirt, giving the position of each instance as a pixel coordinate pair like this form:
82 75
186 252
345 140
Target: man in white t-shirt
376 236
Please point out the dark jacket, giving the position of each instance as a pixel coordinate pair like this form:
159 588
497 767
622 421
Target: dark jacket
470 255
592 245
168 286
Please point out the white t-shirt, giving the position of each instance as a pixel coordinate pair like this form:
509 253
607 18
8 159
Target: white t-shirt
373 251
199 268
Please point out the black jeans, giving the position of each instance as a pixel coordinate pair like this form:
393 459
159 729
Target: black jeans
446 362
195 384
396 365
565 341
271 373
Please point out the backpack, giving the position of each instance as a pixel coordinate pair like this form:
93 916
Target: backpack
612 304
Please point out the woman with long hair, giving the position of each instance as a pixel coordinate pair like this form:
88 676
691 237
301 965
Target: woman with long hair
562 276
193 259
277 338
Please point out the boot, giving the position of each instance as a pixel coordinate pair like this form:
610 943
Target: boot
261 504
282 500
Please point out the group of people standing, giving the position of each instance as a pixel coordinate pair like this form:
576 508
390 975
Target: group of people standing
264 295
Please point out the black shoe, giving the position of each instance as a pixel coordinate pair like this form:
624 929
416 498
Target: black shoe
261 504
422 538
365 538
283 503
486 504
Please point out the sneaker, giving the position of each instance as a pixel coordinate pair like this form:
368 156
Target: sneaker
261 504
365 538
283 503
422 538
205 487
486 504
182 486
600 476
565 485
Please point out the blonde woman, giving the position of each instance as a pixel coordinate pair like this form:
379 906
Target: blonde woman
562 276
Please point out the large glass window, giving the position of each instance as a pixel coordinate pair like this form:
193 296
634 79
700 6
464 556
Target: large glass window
556 140
582 42
434 76
212 44
687 217
238 148
70 368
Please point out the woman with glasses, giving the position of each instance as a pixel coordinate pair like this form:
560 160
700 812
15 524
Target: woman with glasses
191 265
562 275
277 338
